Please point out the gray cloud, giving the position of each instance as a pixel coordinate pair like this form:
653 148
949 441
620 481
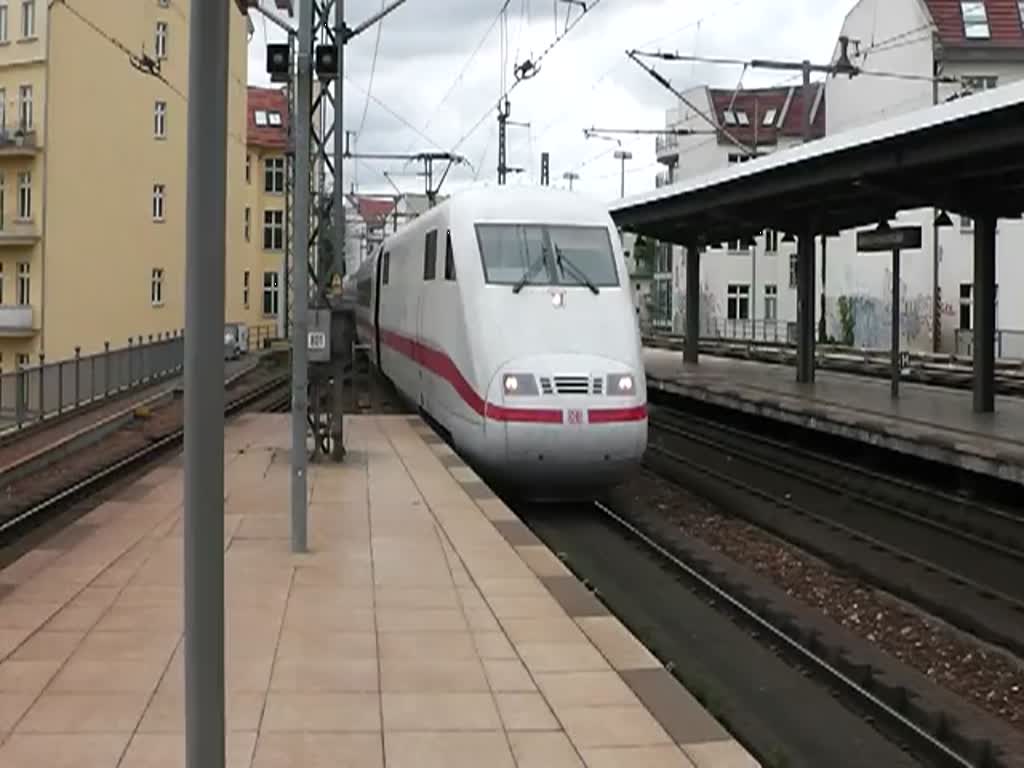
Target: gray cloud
585 80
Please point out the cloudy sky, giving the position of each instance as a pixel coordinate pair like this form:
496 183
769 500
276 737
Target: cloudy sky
429 90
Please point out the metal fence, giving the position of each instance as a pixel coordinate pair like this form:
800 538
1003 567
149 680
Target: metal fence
34 393
778 331
1009 344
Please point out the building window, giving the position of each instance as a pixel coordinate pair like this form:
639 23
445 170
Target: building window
966 224
449 258
248 223
245 288
273 230
3 22
966 291
430 255
735 246
270 294
3 201
161 40
1 283
25 195
738 304
977 83
24 283
156 288
158 202
248 169
769 117
160 119
1020 11
3 106
975 20
273 174
792 270
260 116
28 18
23 360
274 118
771 302
771 241
25 107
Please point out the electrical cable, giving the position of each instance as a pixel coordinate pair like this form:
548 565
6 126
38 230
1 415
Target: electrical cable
373 69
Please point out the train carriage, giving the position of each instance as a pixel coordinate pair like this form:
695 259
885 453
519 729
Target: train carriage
504 314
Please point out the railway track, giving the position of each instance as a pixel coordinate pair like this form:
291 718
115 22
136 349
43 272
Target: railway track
960 560
16 522
746 671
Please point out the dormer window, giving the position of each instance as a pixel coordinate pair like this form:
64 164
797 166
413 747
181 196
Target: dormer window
274 118
771 114
261 117
975 20
730 117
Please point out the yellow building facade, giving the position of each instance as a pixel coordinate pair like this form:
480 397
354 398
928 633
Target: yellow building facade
265 216
93 158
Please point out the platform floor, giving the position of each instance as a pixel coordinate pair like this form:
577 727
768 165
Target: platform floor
933 422
427 627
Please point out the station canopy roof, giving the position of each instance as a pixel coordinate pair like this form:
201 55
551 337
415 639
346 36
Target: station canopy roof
965 156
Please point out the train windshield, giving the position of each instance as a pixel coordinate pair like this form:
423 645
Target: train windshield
536 254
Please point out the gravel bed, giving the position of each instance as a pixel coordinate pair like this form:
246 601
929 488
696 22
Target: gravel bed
991 679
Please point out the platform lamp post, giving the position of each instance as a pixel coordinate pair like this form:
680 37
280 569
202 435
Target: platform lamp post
570 176
941 221
623 155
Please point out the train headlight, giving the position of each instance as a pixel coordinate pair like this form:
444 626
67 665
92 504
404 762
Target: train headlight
621 384
519 384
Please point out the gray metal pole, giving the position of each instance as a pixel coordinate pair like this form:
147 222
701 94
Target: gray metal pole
300 272
691 342
822 328
984 313
204 384
894 354
805 307
807 101
289 192
339 141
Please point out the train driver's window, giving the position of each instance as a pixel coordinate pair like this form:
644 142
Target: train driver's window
430 255
449 258
386 269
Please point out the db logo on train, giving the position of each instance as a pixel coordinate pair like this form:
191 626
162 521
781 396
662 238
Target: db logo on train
574 416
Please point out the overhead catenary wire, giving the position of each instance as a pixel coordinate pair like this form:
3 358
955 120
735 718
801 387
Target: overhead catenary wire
373 69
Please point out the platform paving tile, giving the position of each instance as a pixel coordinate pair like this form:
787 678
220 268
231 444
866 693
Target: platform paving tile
414 628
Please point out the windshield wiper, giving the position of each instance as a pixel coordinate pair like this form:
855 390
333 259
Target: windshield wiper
539 262
580 274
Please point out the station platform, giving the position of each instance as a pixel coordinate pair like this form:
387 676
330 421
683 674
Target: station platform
425 627
929 422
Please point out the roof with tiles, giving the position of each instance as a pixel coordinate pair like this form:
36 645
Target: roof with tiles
1003 17
763 115
268 136
374 210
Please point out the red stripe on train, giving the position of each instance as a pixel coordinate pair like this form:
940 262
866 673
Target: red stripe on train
443 366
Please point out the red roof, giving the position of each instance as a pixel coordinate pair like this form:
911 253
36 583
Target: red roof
1004 24
267 136
757 104
374 210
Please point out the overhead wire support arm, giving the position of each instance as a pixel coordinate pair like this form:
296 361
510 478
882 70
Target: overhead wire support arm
596 132
360 28
635 56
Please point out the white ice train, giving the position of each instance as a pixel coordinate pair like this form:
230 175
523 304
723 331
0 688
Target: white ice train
505 315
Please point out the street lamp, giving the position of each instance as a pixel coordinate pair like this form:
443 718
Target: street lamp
570 177
623 155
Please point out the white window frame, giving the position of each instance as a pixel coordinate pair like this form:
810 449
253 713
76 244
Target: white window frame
4 18
273 222
271 292
260 118
975 20
771 302
794 270
25 195
25 116
730 117
156 287
769 117
160 40
160 120
742 117
159 202
274 118
24 294
738 297
28 19
274 175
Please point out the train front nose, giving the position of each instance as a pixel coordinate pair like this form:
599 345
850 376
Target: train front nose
571 422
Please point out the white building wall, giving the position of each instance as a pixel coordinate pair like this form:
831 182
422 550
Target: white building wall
893 38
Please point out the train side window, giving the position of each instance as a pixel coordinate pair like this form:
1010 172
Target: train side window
430 255
449 258
387 267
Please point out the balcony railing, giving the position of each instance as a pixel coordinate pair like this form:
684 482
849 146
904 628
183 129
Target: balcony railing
16 319
666 145
18 143
18 233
